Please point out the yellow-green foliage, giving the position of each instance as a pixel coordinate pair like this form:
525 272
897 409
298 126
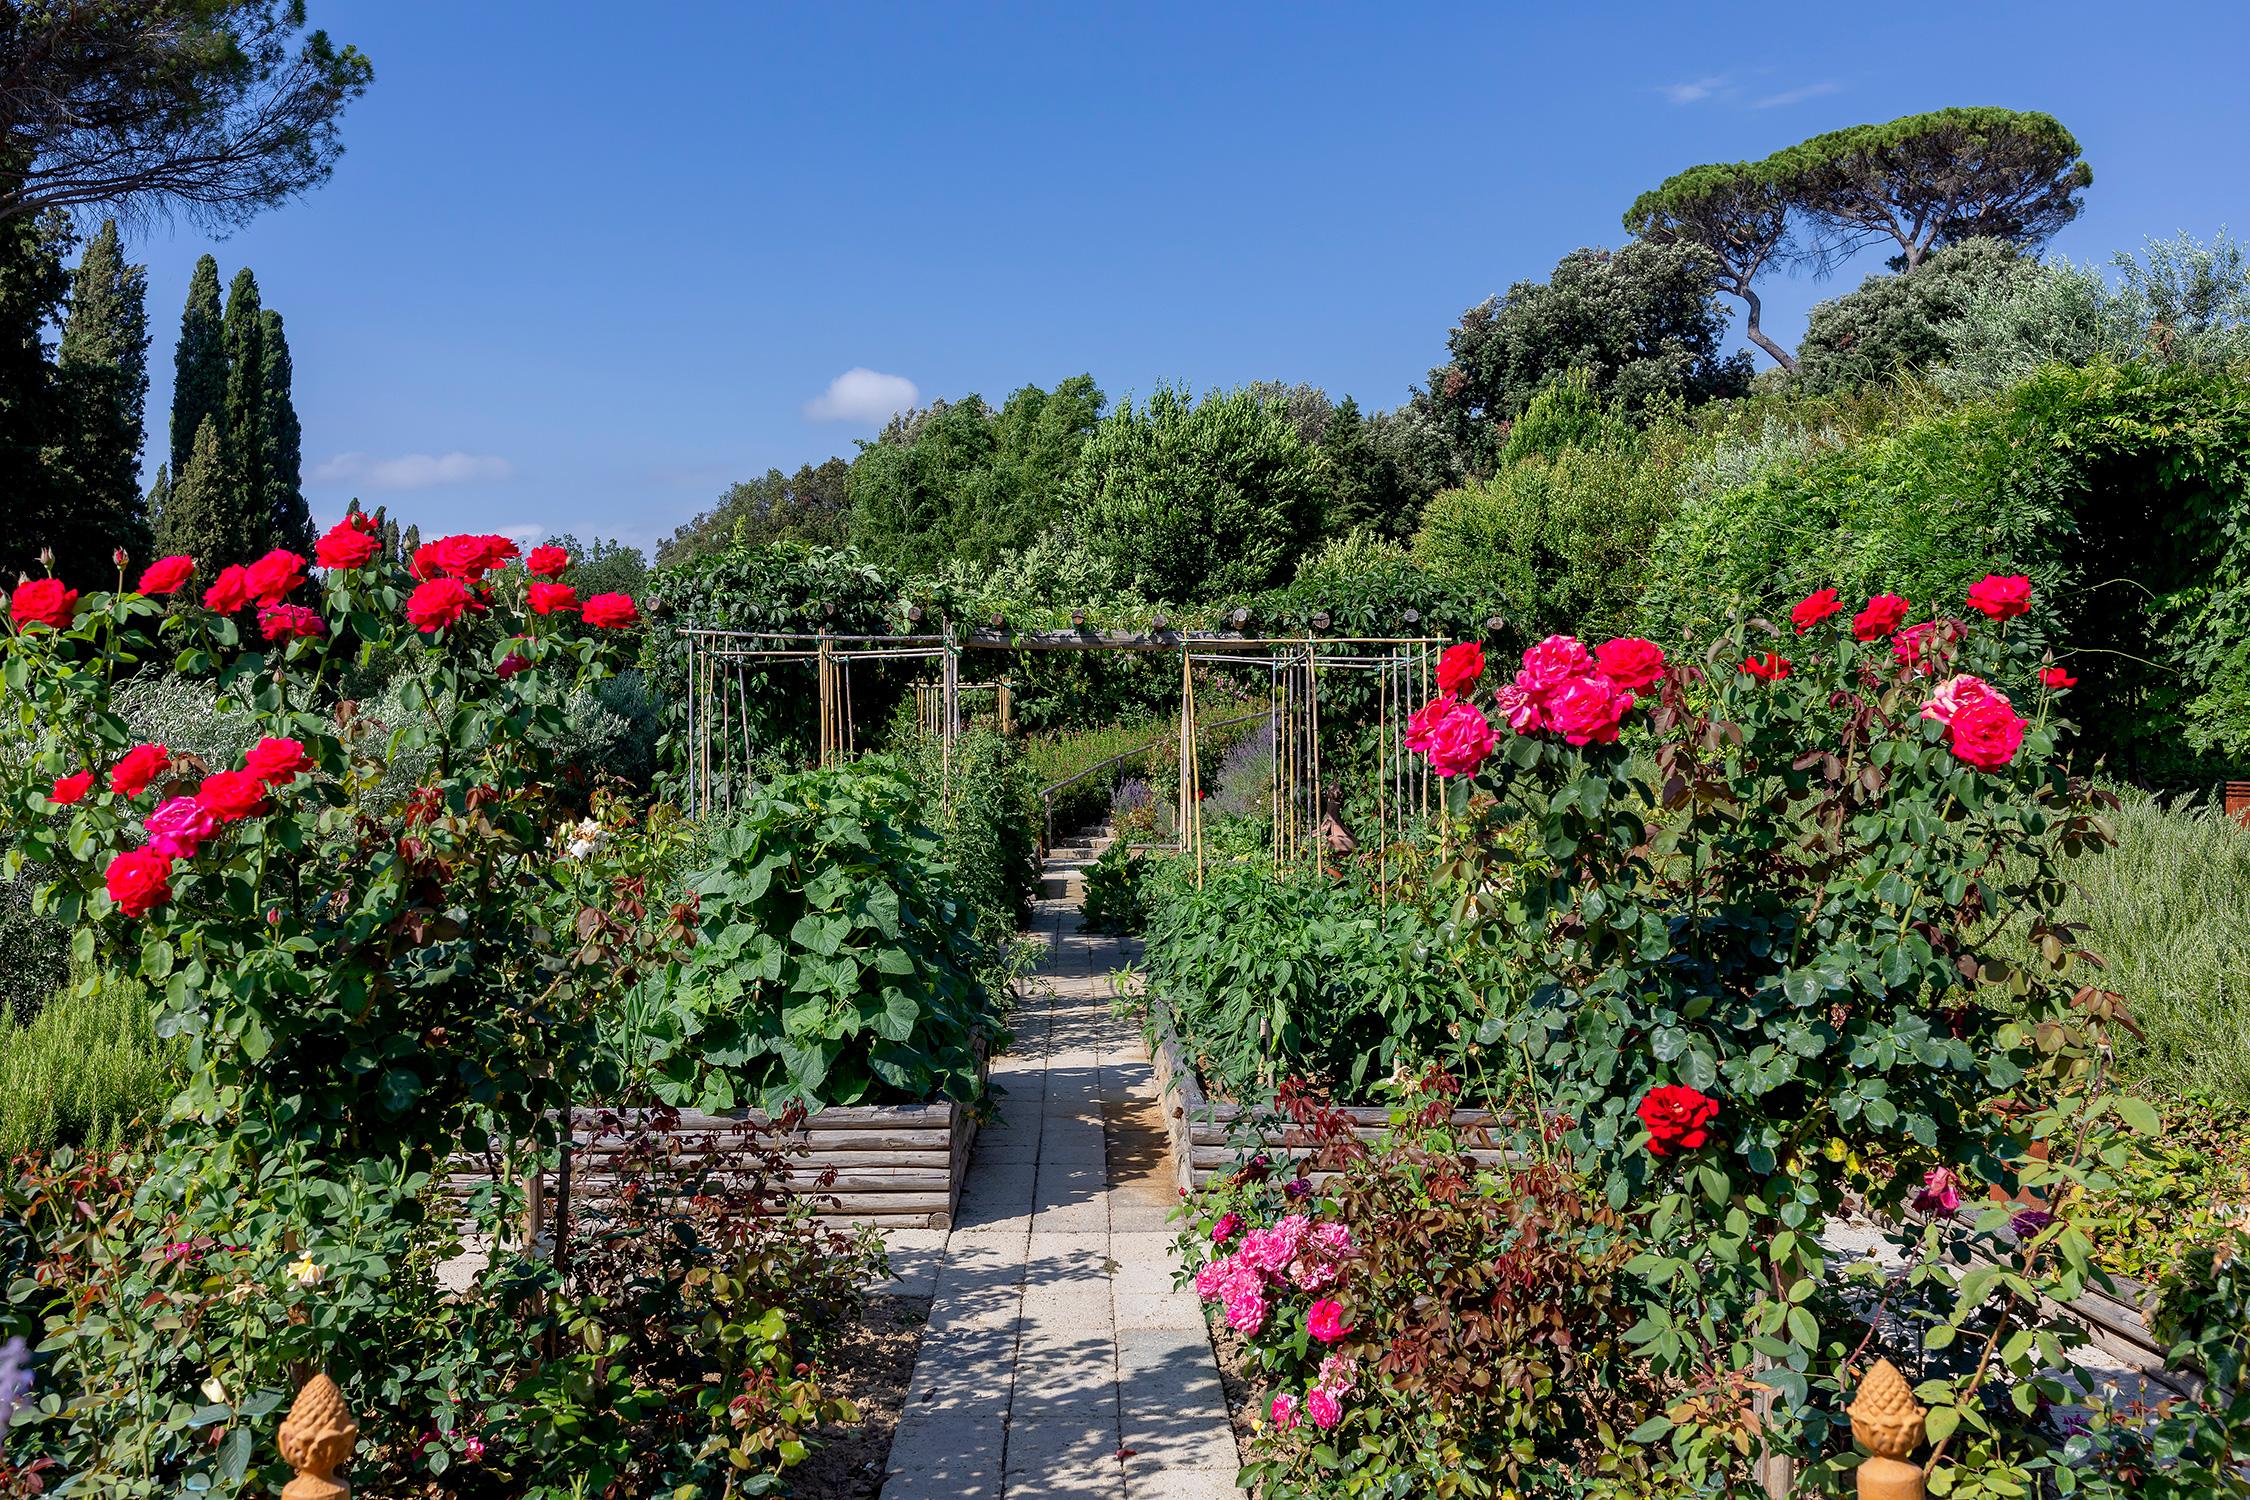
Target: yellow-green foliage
80 1071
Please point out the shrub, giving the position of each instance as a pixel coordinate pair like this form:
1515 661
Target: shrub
1116 898
2168 908
1421 1325
1763 932
1194 499
831 964
1896 324
82 1071
1549 540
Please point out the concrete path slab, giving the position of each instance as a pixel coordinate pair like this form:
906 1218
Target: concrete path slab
1060 1360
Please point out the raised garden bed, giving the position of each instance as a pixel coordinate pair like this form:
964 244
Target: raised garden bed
1211 1136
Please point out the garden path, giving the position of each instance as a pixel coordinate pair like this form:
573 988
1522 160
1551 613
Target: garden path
1059 1359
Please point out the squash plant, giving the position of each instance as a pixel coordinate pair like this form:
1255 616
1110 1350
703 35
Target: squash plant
831 965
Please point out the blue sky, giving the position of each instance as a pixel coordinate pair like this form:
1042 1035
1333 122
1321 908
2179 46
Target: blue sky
583 264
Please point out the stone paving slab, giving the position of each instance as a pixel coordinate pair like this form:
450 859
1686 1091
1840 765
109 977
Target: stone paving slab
1060 1360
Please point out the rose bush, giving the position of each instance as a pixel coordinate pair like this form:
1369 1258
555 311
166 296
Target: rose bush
1753 957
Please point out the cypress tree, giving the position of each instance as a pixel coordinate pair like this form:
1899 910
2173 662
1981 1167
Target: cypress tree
199 363
103 390
242 432
200 517
158 498
33 283
283 443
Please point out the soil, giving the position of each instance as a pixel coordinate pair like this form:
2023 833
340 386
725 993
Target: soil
873 1366
1241 1386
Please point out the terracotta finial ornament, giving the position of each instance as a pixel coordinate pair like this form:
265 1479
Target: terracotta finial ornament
316 1440
1887 1421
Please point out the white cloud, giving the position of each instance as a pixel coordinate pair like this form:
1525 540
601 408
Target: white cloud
412 471
1694 90
1797 95
863 395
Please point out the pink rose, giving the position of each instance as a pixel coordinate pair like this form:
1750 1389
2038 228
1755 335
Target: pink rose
1324 1320
178 829
1587 711
1912 646
1957 693
1224 1230
1284 1412
1325 1410
1520 706
1553 662
1941 1192
1629 661
1986 733
1246 1311
1456 736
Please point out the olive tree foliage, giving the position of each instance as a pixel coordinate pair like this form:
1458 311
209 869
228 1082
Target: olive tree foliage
216 107
1739 213
1893 325
2181 302
1191 500
1929 180
1643 323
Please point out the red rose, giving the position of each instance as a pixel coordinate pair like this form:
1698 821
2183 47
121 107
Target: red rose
69 789
2056 678
1460 666
276 762
139 881
499 552
1814 608
1456 736
1553 662
1766 668
1629 661
2001 596
547 598
142 764
230 795
611 611
289 622
467 558
274 577
346 545
1883 615
167 575
1986 732
43 601
510 665
1587 710
1678 1118
228 592
437 604
548 562
1912 646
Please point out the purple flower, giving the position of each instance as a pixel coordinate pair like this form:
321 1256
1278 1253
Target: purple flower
1297 1187
15 1383
2029 1221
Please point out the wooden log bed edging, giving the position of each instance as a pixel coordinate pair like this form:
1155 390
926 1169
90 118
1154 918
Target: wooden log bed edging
1209 1137
897 1166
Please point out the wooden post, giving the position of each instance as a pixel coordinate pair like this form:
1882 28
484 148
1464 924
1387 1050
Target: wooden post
1888 1423
316 1440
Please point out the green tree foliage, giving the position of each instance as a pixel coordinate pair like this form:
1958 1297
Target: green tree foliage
2117 488
1738 213
1935 179
233 374
103 371
282 440
1196 499
960 480
200 517
1895 324
199 362
1643 323
219 107
1555 542
811 505
1380 470
602 566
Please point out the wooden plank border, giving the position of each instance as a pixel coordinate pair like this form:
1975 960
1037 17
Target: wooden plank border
1206 1136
